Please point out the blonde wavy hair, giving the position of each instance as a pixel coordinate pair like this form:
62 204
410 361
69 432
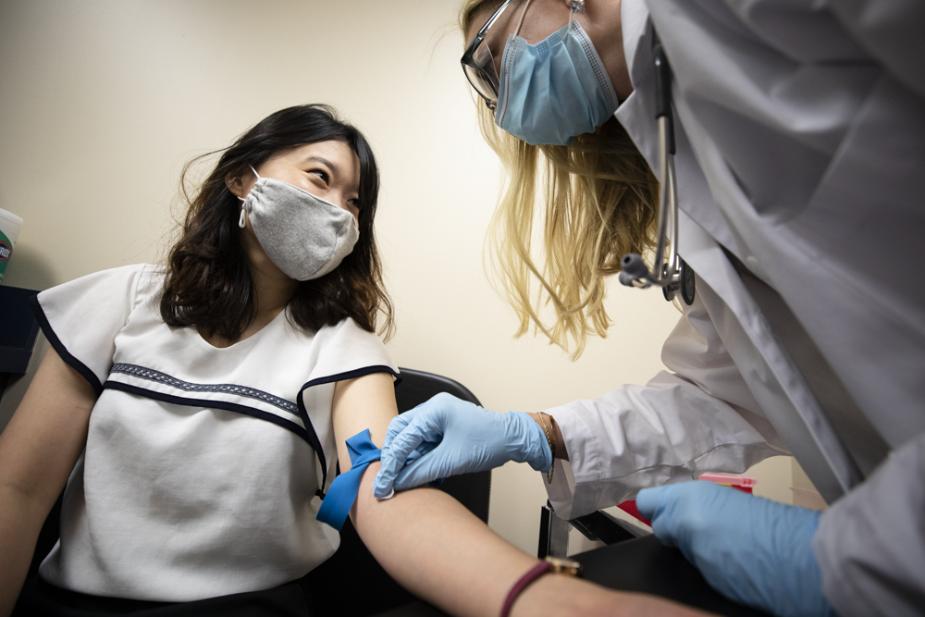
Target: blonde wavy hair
598 203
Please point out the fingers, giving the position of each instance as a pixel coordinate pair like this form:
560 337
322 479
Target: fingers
434 405
396 426
687 510
651 501
656 504
382 488
408 433
420 451
425 470
395 456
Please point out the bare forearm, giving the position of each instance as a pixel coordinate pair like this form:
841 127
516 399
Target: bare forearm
38 449
437 549
20 523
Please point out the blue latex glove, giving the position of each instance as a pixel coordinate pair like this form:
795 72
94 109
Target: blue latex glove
750 549
447 436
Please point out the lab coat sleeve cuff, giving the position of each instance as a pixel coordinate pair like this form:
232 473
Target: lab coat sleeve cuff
574 490
636 436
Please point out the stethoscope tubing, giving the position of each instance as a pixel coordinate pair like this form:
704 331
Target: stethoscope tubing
670 273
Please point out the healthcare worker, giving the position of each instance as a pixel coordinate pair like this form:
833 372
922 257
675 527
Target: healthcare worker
798 146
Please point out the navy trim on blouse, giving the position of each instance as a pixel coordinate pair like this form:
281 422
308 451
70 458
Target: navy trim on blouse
315 443
209 404
359 372
149 374
59 347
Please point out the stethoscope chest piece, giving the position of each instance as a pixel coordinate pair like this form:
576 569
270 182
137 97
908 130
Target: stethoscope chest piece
684 283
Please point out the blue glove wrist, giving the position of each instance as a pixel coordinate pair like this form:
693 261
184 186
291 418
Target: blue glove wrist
527 442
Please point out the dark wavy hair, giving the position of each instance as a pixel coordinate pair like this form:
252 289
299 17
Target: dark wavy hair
208 284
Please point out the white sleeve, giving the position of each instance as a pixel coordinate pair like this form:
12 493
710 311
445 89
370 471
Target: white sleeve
346 351
693 419
871 543
343 351
81 319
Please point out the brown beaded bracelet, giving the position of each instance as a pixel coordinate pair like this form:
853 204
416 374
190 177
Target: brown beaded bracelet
546 425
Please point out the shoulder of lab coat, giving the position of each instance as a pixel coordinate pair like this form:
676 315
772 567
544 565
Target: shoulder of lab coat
871 543
812 150
697 417
891 32
809 132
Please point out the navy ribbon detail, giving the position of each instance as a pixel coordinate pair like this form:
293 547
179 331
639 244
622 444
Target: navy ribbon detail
343 492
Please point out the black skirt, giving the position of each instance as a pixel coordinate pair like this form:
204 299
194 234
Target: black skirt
40 599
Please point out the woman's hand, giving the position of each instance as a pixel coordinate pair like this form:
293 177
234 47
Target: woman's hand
447 436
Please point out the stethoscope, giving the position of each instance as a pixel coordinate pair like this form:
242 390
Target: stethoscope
672 274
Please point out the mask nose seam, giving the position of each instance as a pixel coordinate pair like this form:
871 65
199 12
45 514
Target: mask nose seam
507 58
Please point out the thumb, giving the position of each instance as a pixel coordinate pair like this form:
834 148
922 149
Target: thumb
652 501
658 505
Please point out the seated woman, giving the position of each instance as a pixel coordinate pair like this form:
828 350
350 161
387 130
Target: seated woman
196 411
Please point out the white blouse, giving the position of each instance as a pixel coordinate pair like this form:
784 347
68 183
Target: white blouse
204 466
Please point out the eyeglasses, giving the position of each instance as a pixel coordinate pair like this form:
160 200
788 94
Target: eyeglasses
478 63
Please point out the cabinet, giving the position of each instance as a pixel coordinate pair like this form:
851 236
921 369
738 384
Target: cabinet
18 329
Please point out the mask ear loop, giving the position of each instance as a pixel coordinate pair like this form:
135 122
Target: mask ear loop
574 7
523 15
241 217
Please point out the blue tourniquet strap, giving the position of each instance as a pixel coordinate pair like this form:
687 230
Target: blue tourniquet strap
343 492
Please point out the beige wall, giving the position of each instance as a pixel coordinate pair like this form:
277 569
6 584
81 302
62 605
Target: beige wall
102 101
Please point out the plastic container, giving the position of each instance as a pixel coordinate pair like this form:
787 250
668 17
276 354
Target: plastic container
10 224
742 483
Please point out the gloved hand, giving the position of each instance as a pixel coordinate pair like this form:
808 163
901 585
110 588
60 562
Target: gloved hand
446 436
750 549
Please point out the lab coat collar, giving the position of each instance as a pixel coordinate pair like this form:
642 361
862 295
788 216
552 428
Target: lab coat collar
636 115
633 19
634 22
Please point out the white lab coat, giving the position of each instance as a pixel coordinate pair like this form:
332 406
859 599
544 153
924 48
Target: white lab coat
801 144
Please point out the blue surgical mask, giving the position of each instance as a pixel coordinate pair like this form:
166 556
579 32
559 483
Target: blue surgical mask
554 90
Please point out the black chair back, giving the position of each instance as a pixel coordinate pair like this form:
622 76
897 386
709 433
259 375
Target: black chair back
380 591
415 387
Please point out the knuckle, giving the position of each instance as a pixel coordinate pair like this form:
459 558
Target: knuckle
442 398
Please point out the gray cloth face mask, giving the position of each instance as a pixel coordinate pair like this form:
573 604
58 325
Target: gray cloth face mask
305 236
